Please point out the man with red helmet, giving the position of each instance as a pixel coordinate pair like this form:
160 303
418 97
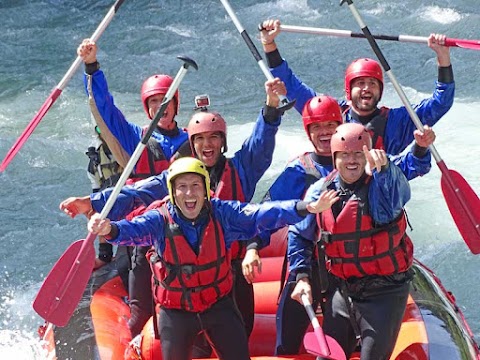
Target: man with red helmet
391 128
232 178
123 136
167 142
321 116
365 245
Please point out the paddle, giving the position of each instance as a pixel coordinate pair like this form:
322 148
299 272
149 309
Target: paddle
64 285
466 44
317 343
286 105
56 91
462 201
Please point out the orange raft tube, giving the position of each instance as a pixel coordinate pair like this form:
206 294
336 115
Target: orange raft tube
433 326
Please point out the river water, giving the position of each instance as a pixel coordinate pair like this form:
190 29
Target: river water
38 44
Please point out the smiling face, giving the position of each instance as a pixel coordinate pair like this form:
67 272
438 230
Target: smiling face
365 95
166 121
189 192
320 134
208 147
350 165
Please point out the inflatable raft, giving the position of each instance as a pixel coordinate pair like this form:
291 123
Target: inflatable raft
433 325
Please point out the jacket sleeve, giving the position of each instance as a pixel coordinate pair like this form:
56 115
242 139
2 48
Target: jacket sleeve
143 192
242 221
388 193
399 129
299 252
411 165
143 230
296 89
255 155
302 236
128 134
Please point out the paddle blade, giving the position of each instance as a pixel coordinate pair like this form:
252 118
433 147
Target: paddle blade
465 44
29 129
71 272
464 206
312 346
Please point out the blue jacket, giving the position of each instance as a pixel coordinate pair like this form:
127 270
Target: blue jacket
251 162
128 134
399 128
239 221
388 193
294 180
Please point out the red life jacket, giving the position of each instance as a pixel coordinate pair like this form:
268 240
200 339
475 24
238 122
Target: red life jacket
355 248
376 126
230 188
187 281
153 160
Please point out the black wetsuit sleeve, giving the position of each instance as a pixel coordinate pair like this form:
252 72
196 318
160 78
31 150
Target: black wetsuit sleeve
445 74
273 58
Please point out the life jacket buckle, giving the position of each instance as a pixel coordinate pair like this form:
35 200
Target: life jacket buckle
325 237
188 269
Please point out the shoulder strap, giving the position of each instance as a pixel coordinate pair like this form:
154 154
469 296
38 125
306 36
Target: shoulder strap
310 168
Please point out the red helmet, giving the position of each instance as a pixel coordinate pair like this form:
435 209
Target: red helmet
157 84
350 137
320 109
207 121
360 68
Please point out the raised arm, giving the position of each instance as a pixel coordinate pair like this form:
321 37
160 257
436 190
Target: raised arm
296 89
400 127
105 112
255 155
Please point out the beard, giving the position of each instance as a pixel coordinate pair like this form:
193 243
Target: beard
370 106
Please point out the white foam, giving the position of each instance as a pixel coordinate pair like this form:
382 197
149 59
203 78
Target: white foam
440 15
177 29
20 345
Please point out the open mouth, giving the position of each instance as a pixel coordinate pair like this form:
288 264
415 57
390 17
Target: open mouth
352 167
325 139
208 154
366 96
190 204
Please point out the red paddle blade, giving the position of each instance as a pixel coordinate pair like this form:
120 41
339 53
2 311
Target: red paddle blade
53 302
312 345
464 206
29 129
466 44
